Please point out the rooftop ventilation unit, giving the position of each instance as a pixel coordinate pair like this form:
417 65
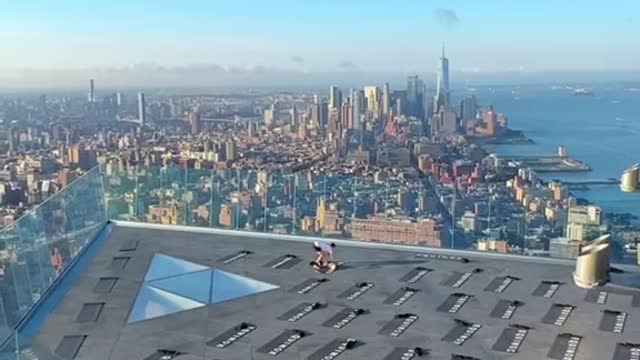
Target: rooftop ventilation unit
592 264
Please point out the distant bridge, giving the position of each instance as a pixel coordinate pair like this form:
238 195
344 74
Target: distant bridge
130 120
584 184
593 182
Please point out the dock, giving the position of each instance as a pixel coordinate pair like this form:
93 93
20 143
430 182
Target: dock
546 163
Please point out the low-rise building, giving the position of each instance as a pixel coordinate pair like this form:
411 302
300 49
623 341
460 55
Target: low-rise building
500 246
564 248
379 228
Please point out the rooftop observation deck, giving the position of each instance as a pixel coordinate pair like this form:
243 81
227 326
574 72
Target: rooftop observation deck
263 301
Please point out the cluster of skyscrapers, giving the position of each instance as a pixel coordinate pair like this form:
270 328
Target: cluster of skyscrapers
371 107
361 110
118 100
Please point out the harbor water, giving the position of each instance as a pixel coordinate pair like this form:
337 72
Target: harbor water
602 130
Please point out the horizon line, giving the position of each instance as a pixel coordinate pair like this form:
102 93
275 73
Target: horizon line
266 69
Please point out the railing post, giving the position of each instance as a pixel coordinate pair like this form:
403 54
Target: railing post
185 197
103 176
266 204
211 198
294 222
17 338
135 194
237 221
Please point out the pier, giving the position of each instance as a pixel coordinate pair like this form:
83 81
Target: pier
610 181
546 163
559 162
584 185
528 157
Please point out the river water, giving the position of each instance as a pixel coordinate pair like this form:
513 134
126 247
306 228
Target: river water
602 130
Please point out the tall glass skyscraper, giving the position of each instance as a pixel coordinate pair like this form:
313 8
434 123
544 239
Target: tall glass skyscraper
358 103
415 89
142 115
335 98
386 99
442 87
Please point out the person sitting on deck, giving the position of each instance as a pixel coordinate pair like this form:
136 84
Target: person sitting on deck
324 251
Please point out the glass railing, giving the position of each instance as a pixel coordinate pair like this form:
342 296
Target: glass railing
379 207
38 248
388 207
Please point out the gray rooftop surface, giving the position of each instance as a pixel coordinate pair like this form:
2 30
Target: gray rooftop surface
110 337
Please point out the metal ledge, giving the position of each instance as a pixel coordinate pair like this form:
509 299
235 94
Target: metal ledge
356 243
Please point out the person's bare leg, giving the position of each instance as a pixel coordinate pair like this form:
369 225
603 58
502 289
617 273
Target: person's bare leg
320 260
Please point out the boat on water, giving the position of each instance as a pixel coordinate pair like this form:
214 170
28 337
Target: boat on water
582 92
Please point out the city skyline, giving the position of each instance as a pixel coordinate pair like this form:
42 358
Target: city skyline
213 78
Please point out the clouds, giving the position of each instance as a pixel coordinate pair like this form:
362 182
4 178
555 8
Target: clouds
446 17
145 75
297 59
347 65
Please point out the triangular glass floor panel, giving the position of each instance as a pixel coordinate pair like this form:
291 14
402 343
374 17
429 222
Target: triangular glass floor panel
193 285
152 303
227 286
164 266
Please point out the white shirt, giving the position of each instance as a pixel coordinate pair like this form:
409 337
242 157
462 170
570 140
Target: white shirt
325 247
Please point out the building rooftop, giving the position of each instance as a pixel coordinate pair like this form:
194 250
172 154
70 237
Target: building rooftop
389 300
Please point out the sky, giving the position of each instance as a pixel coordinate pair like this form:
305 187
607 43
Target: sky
49 38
